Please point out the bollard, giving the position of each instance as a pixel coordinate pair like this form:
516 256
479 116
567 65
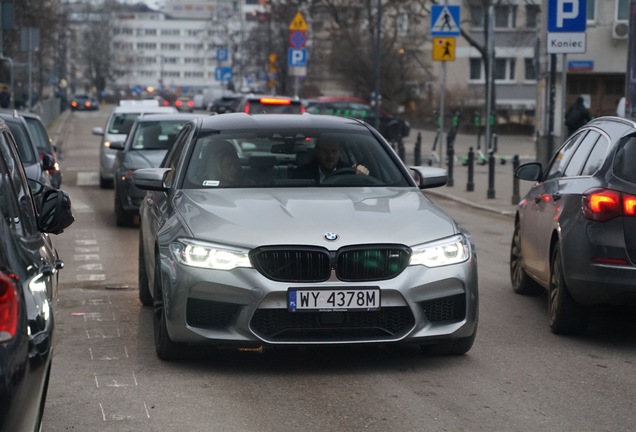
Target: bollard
400 149
491 176
450 152
515 181
417 156
470 184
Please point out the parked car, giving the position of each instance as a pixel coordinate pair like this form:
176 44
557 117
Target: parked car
148 142
575 230
266 257
45 145
184 104
267 104
84 102
29 265
118 125
392 128
225 104
37 166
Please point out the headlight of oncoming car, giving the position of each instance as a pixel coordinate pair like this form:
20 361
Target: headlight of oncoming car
207 255
448 251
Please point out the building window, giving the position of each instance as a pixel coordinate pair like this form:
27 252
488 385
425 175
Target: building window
622 10
530 71
504 70
475 69
533 12
476 16
591 10
506 16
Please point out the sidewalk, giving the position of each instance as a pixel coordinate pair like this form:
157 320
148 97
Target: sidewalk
503 184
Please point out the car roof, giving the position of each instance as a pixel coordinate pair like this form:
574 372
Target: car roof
143 109
169 116
243 121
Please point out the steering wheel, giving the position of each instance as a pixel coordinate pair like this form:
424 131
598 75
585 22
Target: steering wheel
343 171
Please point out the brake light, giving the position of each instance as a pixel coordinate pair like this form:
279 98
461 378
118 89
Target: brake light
9 308
275 101
302 109
74 104
190 104
87 104
178 103
603 204
246 110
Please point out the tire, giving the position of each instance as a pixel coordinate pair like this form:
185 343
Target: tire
145 297
450 346
521 282
165 348
122 218
105 183
565 315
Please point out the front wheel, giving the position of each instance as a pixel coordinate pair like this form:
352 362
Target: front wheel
566 316
165 348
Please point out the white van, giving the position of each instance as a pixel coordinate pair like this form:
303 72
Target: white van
118 125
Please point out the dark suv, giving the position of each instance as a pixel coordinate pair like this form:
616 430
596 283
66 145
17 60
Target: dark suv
29 265
392 128
268 104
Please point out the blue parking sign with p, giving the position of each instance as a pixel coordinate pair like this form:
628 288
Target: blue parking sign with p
297 57
567 16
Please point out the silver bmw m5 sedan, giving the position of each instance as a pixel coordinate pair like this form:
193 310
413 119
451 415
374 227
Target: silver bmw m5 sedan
287 229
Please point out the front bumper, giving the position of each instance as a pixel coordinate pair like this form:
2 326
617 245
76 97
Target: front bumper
242 307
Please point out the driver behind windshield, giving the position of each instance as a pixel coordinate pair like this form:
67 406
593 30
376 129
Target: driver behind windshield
327 161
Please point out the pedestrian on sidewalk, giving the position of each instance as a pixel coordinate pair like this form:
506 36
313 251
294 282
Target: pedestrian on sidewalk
576 116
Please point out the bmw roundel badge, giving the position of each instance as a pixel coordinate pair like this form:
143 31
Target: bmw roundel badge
331 236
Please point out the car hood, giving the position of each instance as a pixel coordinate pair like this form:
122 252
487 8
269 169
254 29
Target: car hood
136 159
256 217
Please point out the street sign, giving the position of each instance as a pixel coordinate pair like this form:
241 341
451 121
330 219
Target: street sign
567 22
222 54
567 16
444 48
299 71
445 20
223 73
298 23
297 57
297 39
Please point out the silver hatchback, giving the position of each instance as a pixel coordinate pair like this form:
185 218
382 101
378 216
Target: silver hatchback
246 241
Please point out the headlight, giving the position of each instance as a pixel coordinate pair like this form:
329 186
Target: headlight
449 251
206 255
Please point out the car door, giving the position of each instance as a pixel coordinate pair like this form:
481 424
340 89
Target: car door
542 204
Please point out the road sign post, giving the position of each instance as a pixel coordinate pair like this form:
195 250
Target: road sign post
297 53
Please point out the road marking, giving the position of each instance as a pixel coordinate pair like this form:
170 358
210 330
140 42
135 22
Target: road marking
91 277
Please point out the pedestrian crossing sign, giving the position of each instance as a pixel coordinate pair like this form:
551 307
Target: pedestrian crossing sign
444 48
444 20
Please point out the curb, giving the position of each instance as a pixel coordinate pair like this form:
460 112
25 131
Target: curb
472 204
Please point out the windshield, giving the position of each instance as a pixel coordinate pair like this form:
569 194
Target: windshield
291 159
156 135
122 123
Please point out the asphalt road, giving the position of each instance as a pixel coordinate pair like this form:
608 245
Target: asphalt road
517 377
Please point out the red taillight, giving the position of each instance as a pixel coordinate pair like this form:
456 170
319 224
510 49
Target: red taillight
178 103
87 104
275 101
73 104
246 110
166 103
190 104
603 204
9 308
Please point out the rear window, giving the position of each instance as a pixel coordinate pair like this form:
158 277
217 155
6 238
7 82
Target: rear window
625 160
122 123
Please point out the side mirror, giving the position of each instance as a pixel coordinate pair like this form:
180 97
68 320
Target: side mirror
98 131
117 145
56 213
48 163
150 179
430 177
529 171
